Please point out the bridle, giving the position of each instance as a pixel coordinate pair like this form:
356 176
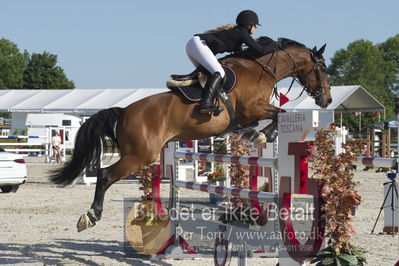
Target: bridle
318 62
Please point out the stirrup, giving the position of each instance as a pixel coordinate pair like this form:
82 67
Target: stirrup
206 109
216 110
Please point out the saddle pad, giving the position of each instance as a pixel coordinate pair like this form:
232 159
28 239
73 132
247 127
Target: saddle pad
193 93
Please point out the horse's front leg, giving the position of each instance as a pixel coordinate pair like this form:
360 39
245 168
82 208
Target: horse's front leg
271 130
269 133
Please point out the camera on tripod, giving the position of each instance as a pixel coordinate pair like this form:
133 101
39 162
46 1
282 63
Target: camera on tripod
390 205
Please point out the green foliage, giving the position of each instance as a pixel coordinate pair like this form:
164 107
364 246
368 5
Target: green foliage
216 176
339 199
334 256
220 147
12 65
19 70
5 115
374 67
362 63
20 131
390 50
219 173
42 72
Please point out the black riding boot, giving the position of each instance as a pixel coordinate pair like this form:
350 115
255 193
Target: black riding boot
212 86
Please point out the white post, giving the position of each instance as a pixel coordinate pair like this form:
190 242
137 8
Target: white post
212 163
64 148
179 175
292 127
226 166
195 150
340 138
340 124
48 144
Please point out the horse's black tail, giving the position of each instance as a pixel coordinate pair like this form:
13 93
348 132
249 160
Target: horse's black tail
97 130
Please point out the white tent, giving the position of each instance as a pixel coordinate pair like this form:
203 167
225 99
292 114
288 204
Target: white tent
345 99
70 101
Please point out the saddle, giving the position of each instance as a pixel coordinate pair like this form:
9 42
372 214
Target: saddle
191 86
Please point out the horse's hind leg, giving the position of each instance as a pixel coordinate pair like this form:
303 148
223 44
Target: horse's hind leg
105 178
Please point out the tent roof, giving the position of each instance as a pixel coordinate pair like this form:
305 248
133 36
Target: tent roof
70 101
345 99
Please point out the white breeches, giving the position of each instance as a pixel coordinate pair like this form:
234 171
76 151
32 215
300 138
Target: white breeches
200 54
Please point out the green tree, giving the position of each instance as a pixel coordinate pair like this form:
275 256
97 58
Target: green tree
390 49
365 64
42 72
12 65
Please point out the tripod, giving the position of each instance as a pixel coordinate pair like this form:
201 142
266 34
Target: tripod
393 187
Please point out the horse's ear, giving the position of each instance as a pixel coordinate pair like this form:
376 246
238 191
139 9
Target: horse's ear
314 54
321 50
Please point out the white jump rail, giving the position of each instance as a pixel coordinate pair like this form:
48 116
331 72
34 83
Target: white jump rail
25 150
21 137
23 144
222 190
376 162
273 162
221 158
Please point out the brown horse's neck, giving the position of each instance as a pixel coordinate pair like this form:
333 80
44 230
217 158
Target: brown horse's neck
283 65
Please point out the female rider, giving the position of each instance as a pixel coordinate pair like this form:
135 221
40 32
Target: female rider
202 48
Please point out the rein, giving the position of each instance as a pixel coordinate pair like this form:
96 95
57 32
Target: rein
266 67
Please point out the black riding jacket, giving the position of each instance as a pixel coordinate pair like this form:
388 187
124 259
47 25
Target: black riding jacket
232 40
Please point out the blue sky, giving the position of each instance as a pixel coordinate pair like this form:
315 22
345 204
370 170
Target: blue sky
138 44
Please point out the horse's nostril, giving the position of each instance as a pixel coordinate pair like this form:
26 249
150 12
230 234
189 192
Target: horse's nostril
329 101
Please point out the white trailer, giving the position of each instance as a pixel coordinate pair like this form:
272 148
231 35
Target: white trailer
47 124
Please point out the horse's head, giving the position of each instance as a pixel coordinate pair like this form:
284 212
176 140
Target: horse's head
313 76
307 65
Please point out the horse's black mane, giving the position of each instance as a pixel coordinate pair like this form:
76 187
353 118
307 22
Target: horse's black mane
282 43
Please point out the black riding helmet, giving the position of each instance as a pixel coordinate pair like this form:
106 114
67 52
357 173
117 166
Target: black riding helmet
247 17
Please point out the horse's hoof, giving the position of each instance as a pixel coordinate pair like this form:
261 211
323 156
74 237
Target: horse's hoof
261 138
218 110
272 136
84 223
255 136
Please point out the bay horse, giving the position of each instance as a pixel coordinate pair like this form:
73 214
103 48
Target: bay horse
141 129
